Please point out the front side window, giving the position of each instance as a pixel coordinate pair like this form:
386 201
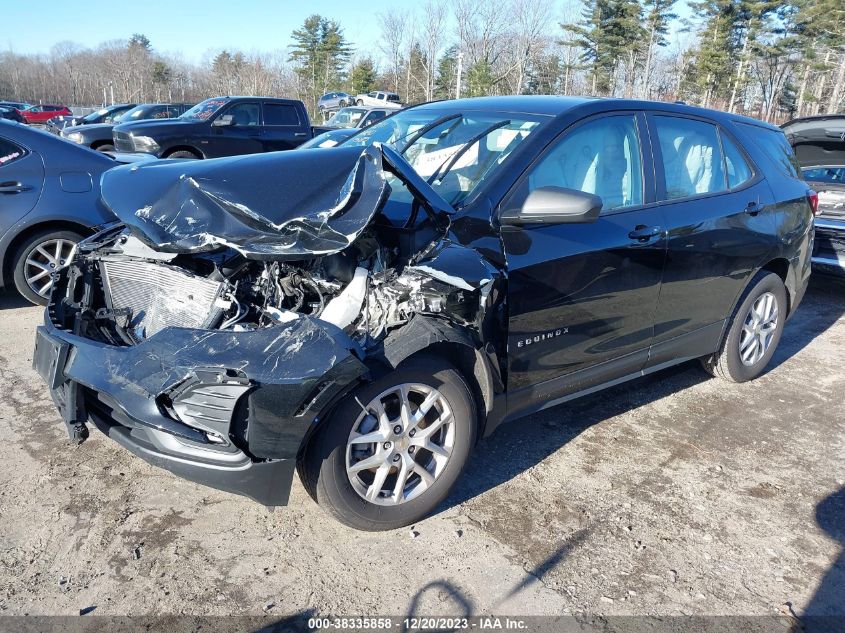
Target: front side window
692 157
244 114
601 157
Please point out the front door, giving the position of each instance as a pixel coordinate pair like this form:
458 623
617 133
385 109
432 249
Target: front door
243 136
582 297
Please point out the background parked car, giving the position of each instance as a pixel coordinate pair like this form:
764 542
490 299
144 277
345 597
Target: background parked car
332 100
330 138
49 200
17 105
221 126
11 114
99 136
378 99
819 144
43 113
103 115
357 117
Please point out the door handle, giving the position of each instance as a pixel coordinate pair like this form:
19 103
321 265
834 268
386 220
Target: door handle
753 208
644 233
299 134
13 187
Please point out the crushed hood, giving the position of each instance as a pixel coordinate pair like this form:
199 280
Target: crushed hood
280 205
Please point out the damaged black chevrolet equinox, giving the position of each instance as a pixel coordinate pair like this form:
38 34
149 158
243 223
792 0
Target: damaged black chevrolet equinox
364 313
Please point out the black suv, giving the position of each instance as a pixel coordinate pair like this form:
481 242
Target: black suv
367 312
222 126
98 136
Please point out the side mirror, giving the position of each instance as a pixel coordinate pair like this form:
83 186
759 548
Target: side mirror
225 120
554 205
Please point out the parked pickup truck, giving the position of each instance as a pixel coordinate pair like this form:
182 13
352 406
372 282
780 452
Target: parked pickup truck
220 126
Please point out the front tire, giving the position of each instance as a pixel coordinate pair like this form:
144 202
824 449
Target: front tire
42 254
184 154
343 103
360 102
393 464
754 331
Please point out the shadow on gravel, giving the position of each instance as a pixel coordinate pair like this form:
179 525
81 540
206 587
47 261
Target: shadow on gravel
11 299
823 305
521 444
829 599
451 599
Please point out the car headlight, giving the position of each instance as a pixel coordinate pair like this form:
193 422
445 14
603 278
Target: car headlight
144 144
75 137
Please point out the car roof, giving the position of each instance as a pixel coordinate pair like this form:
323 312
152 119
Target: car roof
556 105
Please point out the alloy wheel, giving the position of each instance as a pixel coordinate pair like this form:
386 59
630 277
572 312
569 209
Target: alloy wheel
43 260
759 329
400 444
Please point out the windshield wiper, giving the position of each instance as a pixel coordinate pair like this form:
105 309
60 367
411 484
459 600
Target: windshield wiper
450 162
427 128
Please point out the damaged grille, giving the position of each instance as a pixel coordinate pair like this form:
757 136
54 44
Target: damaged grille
159 296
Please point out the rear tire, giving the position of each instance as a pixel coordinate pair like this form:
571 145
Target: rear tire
754 331
360 102
35 260
395 491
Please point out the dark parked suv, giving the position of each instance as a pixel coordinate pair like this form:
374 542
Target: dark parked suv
99 136
367 312
222 126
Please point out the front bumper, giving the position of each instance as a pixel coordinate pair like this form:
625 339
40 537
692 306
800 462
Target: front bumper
225 409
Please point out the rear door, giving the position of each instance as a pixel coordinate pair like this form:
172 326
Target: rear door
582 297
718 212
283 127
21 181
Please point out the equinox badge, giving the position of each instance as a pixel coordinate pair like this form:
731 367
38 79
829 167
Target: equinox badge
539 338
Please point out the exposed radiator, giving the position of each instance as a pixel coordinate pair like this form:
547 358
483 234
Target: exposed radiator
160 296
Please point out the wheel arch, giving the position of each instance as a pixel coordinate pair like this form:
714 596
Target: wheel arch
182 148
781 267
428 335
18 240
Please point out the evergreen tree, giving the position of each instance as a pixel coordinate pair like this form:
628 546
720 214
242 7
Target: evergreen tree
320 53
447 70
363 76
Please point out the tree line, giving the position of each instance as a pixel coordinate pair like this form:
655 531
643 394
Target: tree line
773 60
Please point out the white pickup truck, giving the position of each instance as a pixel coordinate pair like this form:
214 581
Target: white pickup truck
378 99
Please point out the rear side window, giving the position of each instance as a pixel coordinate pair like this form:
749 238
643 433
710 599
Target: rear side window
775 146
601 157
736 166
280 114
692 157
9 152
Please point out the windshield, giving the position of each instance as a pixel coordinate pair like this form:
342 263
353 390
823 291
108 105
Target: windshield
347 117
90 118
454 152
205 110
131 114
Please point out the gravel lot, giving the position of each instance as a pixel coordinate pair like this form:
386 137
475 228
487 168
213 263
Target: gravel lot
674 494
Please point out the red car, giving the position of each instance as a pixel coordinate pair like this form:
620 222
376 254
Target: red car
43 113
